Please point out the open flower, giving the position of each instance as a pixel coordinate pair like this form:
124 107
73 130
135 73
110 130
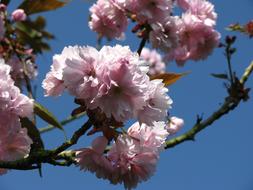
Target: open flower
92 159
157 103
14 140
196 39
112 79
108 20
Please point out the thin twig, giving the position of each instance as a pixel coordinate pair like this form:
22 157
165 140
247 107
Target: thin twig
228 105
142 44
228 56
80 132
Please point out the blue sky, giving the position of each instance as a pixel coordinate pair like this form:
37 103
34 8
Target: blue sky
220 159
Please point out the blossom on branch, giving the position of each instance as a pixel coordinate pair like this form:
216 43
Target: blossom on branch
108 20
132 158
112 79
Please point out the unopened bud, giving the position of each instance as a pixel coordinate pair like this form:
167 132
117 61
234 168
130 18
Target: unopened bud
2 7
18 15
175 125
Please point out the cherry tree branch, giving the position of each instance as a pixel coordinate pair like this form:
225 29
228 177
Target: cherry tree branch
142 45
229 104
63 157
74 139
49 156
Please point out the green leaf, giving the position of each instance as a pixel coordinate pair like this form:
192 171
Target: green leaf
37 6
169 78
47 116
220 76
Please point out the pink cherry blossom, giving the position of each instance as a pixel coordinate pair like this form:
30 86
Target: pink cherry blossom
175 125
151 138
154 61
131 165
112 79
146 11
158 103
124 84
18 15
81 74
53 83
132 158
108 20
197 40
11 100
14 141
203 9
93 160
164 34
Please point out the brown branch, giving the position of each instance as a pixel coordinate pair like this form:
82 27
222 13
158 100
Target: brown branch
142 44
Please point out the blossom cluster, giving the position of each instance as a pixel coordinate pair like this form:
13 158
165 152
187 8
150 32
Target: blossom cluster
115 81
14 140
112 79
132 158
190 36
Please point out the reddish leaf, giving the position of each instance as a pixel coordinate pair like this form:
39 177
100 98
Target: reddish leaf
168 78
37 6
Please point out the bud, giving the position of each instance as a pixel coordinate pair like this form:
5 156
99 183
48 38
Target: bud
2 7
230 39
175 125
18 15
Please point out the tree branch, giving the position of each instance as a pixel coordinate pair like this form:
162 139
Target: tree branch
60 157
142 44
74 139
49 156
228 105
